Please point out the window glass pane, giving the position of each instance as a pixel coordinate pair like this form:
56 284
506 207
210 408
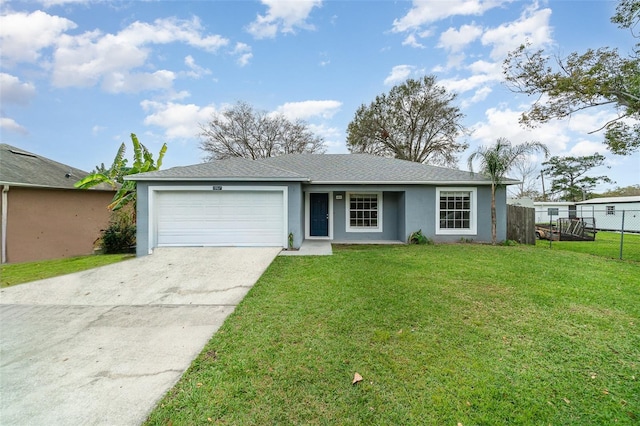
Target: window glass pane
363 210
455 209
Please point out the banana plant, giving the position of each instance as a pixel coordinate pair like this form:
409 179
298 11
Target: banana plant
114 176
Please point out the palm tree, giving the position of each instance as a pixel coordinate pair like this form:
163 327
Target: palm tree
495 162
114 176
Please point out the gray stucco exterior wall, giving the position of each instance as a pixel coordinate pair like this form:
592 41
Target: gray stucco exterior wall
389 219
423 199
295 204
413 208
142 219
406 208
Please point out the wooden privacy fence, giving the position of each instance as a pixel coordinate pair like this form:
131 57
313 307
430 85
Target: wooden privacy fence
521 224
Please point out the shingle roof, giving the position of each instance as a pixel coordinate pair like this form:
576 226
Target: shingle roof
230 169
320 169
364 168
21 168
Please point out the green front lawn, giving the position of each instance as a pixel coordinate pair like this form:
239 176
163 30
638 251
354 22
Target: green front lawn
18 273
606 244
442 335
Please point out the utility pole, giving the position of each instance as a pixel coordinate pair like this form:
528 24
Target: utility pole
544 195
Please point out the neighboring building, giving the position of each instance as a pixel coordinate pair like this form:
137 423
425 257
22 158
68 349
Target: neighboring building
43 216
521 202
335 197
547 211
608 212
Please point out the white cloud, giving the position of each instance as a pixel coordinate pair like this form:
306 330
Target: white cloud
243 52
49 3
479 96
171 30
123 82
503 122
307 109
482 74
595 119
180 121
470 83
412 39
85 59
24 35
428 11
484 67
13 91
532 26
455 40
10 125
284 16
585 147
412 42
333 137
399 74
95 130
196 71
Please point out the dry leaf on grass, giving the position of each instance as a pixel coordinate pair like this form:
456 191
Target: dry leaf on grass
356 378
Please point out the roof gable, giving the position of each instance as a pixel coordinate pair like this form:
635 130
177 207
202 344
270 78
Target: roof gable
22 168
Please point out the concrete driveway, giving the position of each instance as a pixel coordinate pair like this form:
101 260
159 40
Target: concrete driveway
103 346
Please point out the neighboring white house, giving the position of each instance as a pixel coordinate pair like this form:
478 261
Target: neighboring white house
608 212
521 202
552 210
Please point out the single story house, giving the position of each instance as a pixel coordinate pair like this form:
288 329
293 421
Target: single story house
281 201
43 215
553 210
608 212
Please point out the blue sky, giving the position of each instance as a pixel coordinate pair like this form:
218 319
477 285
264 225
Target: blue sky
78 76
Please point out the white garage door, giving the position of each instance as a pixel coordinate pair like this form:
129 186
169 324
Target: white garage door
220 218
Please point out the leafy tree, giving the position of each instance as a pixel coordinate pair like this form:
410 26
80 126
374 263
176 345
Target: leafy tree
114 176
627 15
627 191
241 131
415 121
495 162
596 78
100 169
569 176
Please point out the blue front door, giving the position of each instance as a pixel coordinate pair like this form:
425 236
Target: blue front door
319 215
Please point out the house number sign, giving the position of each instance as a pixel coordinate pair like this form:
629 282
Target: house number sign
217 188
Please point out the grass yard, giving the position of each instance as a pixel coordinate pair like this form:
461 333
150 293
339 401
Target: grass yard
442 335
18 273
607 244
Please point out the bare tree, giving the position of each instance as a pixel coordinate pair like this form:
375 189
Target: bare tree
242 131
527 172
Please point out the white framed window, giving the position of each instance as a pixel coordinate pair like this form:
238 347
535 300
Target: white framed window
611 210
364 211
456 211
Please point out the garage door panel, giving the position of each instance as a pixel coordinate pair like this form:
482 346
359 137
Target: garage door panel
225 218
